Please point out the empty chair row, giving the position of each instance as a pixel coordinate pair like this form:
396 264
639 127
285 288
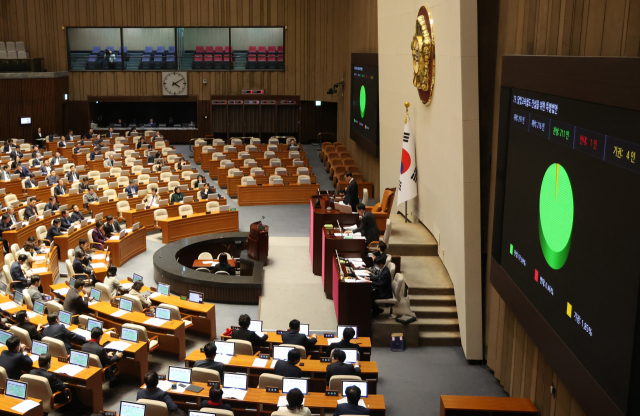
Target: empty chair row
263 50
158 62
13 55
270 62
200 50
209 61
12 46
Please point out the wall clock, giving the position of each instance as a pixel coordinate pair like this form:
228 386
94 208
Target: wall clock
423 50
174 83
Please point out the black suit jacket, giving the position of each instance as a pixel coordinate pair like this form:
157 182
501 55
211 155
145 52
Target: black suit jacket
64 223
109 229
58 331
382 284
341 345
224 268
351 195
341 369
286 369
56 384
97 349
29 184
17 274
250 336
29 212
350 409
368 228
59 190
68 138
32 330
62 144
296 338
159 395
211 365
76 216
71 176
75 303
14 363
53 231
131 189
51 207
36 162
79 267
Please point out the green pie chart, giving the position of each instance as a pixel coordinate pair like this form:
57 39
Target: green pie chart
363 101
556 216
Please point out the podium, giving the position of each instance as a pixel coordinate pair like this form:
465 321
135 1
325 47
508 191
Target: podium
258 242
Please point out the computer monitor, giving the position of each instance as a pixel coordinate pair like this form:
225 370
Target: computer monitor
126 304
72 281
132 409
196 413
38 307
129 334
281 353
351 353
79 358
16 389
92 323
18 298
255 326
39 348
4 336
3 287
289 383
136 277
179 375
95 294
304 329
65 317
163 289
163 313
196 297
360 384
225 348
235 381
341 329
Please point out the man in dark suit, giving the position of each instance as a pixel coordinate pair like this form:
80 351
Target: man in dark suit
347 336
6 173
96 151
76 215
65 220
5 225
69 137
60 189
293 336
37 160
44 363
46 167
140 143
30 210
25 323
106 358
35 151
84 185
132 188
215 400
55 160
52 205
288 368
97 141
351 193
152 392
73 175
80 266
31 182
243 333
59 331
381 285
368 227
351 407
77 148
13 220
111 227
89 134
152 124
109 134
339 368
23 171
62 142
16 153
54 230
13 360
209 363
8 146
76 302
17 274
53 178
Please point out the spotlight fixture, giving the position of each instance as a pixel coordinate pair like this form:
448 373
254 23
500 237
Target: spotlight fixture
334 90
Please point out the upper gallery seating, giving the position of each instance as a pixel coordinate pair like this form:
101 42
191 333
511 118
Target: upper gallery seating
265 57
12 56
209 57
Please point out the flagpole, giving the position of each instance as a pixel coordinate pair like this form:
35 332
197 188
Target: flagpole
406 115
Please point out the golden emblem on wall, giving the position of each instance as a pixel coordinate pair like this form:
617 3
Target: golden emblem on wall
423 49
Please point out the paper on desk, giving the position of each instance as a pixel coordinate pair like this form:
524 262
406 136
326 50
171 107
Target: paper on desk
164 385
361 272
260 334
24 406
83 332
92 302
39 270
62 292
154 295
356 234
273 363
31 314
128 230
154 321
127 286
98 265
119 313
360 402
350 227
358 237
222 358
333 340
45 250
118 346
34 357
259 362
69 369
8 305
211 262
178 389
282 401
98 257
234 394
115 237
39 258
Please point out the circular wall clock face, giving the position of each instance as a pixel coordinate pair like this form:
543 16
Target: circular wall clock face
174 83
556 216
423 50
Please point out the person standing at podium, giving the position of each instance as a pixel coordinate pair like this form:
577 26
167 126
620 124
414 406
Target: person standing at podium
351 193
368 227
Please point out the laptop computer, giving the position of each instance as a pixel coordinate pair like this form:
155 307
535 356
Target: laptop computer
235 381
126 304
92 323
129 334
281 353
362 385
225 348
290 383
38 307
65 317
304 329
18 298
163 313
16 389
132 409
163 289
79 358
351 353
341 329
95 294
4 336
255 326
179 375
39 348
196 297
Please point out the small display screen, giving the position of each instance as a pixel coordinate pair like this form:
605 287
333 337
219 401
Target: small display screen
95 294
38 307
235 381
195 297
362 385
39 348
136 277
255 326
304 329
129 334
25 120
92 323
18 298
352 355
226 348
281 353
341 329
4 336
65 317
180 374
163 313
17 389
126 304
163 289
132 409
79 358
295 383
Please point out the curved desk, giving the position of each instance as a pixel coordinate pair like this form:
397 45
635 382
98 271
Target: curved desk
178 228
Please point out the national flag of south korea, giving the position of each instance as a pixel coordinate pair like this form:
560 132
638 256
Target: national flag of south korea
408 186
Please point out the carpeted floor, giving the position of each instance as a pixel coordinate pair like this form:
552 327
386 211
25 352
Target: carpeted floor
411 381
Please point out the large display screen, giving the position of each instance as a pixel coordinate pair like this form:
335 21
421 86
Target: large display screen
571 227
364 98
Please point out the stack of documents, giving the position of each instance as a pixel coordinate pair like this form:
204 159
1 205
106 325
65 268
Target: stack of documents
155 321
222 358
24 406
233 394
259 362
119 346
69 369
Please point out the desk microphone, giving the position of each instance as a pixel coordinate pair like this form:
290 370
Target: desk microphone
339 226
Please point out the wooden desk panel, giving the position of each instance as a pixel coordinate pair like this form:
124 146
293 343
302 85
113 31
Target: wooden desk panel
145 217
351 298
130 246
7 402
223 173
135 360
476 405
71 200
276 194
177 228
41 193
47 278
67 241
331 243
12 187
234 182
21 236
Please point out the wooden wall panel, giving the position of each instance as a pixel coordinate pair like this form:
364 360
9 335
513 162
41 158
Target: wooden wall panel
543 27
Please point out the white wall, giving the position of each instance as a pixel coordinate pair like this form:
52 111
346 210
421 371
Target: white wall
447 140
84 39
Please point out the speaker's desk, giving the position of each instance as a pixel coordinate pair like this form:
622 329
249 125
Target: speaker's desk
146 219
333 241
276 194
132 244
177 228
351 297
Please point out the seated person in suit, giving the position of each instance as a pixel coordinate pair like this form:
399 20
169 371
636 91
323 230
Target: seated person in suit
33 241
156 137
45 168
62 142
98 235
339 368
20 281
243 333
5 225
152 392
79 266
69 136
12 215
157 165
52 204
89 134
381 285
44 364
291 143
31 182
24 322
206 191
82 248
59 331
84 185
35 151
153 155
152 198
76 215
181 164
97 141
112 282
132 189
287 368
77 148
96 151
209 362
347 336
200 179
53 178
295 400
106 358
293 336
151 123
14 359
140 143
382 248
177 195
54 230
56 159
73 175
135 291
351 407
60 189
30 210
215 400
112 227
8 146
110 161
109 134
28 250
37 159
368 227
90 197
16 154
65 220
224 266
6 173
76 302
34 290
21 170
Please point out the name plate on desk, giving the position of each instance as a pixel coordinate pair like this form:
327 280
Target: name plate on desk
162 376
325 359
279 331
265 356
329 335
215 384
108 413
201 349
235 327
184 216
114 335
63 359
272 390
331 393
